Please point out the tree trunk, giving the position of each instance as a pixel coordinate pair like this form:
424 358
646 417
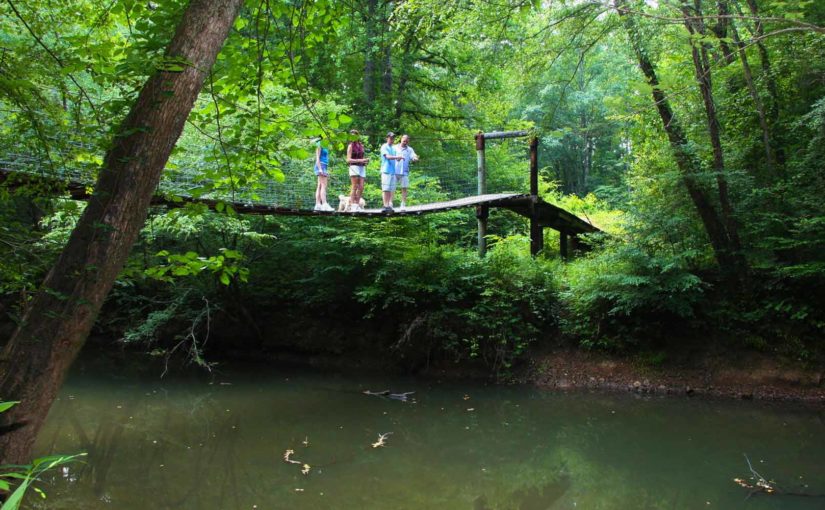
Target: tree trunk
403 77
589 151
386 63
757 101
721 30
686 160
369 53
770 82
702 70
38 355
584 133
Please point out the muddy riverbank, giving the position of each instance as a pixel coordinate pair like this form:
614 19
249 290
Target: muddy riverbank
748 376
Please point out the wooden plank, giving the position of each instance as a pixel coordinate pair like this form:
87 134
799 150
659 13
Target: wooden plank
546 214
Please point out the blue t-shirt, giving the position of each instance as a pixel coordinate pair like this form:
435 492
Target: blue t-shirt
387 165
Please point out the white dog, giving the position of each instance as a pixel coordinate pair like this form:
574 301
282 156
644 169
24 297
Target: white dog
344 205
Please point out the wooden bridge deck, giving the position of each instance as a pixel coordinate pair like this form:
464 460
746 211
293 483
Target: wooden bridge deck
547 215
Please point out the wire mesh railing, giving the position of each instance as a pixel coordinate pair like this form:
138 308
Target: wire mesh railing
446 170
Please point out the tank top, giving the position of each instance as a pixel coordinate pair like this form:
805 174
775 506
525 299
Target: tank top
357 150
324 156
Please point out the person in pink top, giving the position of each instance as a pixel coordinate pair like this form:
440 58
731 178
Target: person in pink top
357 171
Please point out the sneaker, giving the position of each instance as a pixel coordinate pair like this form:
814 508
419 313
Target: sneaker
403 206
387 209
318 207
327 208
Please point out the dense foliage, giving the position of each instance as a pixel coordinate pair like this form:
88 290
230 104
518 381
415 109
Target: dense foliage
714 219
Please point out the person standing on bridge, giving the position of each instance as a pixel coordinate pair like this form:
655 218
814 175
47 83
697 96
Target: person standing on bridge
388 176
402 168
357 171
321 165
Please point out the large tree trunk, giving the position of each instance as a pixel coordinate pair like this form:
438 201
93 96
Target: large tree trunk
701 65
37 357
686 160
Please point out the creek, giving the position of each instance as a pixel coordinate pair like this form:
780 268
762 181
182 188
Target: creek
217 441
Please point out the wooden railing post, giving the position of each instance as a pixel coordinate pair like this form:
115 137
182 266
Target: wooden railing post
536 230
534 166
482 212
536 235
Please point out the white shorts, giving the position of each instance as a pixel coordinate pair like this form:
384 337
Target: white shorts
404 181
388 182
358 171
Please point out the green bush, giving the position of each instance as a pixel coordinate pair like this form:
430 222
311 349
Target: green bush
624 296
449 301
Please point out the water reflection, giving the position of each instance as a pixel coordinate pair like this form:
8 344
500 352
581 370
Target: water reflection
196 444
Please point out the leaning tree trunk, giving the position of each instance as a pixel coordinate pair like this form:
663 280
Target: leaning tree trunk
767 139
701 66
770 81
38 355
686 160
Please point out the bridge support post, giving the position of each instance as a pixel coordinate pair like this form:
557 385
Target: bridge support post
536 230
536 236
563 248
534 166
575 244
482 212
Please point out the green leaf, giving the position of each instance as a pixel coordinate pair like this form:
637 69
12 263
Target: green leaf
13 503
5 406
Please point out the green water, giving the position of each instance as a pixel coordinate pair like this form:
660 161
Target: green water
218 442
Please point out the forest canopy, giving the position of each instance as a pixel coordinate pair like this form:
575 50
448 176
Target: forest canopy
690 132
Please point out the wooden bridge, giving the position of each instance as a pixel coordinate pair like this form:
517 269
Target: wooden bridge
540 213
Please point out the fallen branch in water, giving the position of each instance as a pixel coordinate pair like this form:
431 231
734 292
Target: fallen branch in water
288 454
383 393
761 485
403 397
305 468
382 440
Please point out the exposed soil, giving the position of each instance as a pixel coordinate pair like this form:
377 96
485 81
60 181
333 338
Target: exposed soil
750 376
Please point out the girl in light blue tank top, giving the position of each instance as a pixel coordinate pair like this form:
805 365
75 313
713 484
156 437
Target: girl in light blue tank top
321 165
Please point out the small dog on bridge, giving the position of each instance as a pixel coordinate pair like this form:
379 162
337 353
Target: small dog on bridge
344 204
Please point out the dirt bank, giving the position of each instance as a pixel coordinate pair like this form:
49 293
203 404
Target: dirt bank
749 376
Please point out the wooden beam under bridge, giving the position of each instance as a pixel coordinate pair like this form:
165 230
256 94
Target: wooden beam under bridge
541 213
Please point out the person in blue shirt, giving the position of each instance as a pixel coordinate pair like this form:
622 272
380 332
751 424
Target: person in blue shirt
321 170
388 177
